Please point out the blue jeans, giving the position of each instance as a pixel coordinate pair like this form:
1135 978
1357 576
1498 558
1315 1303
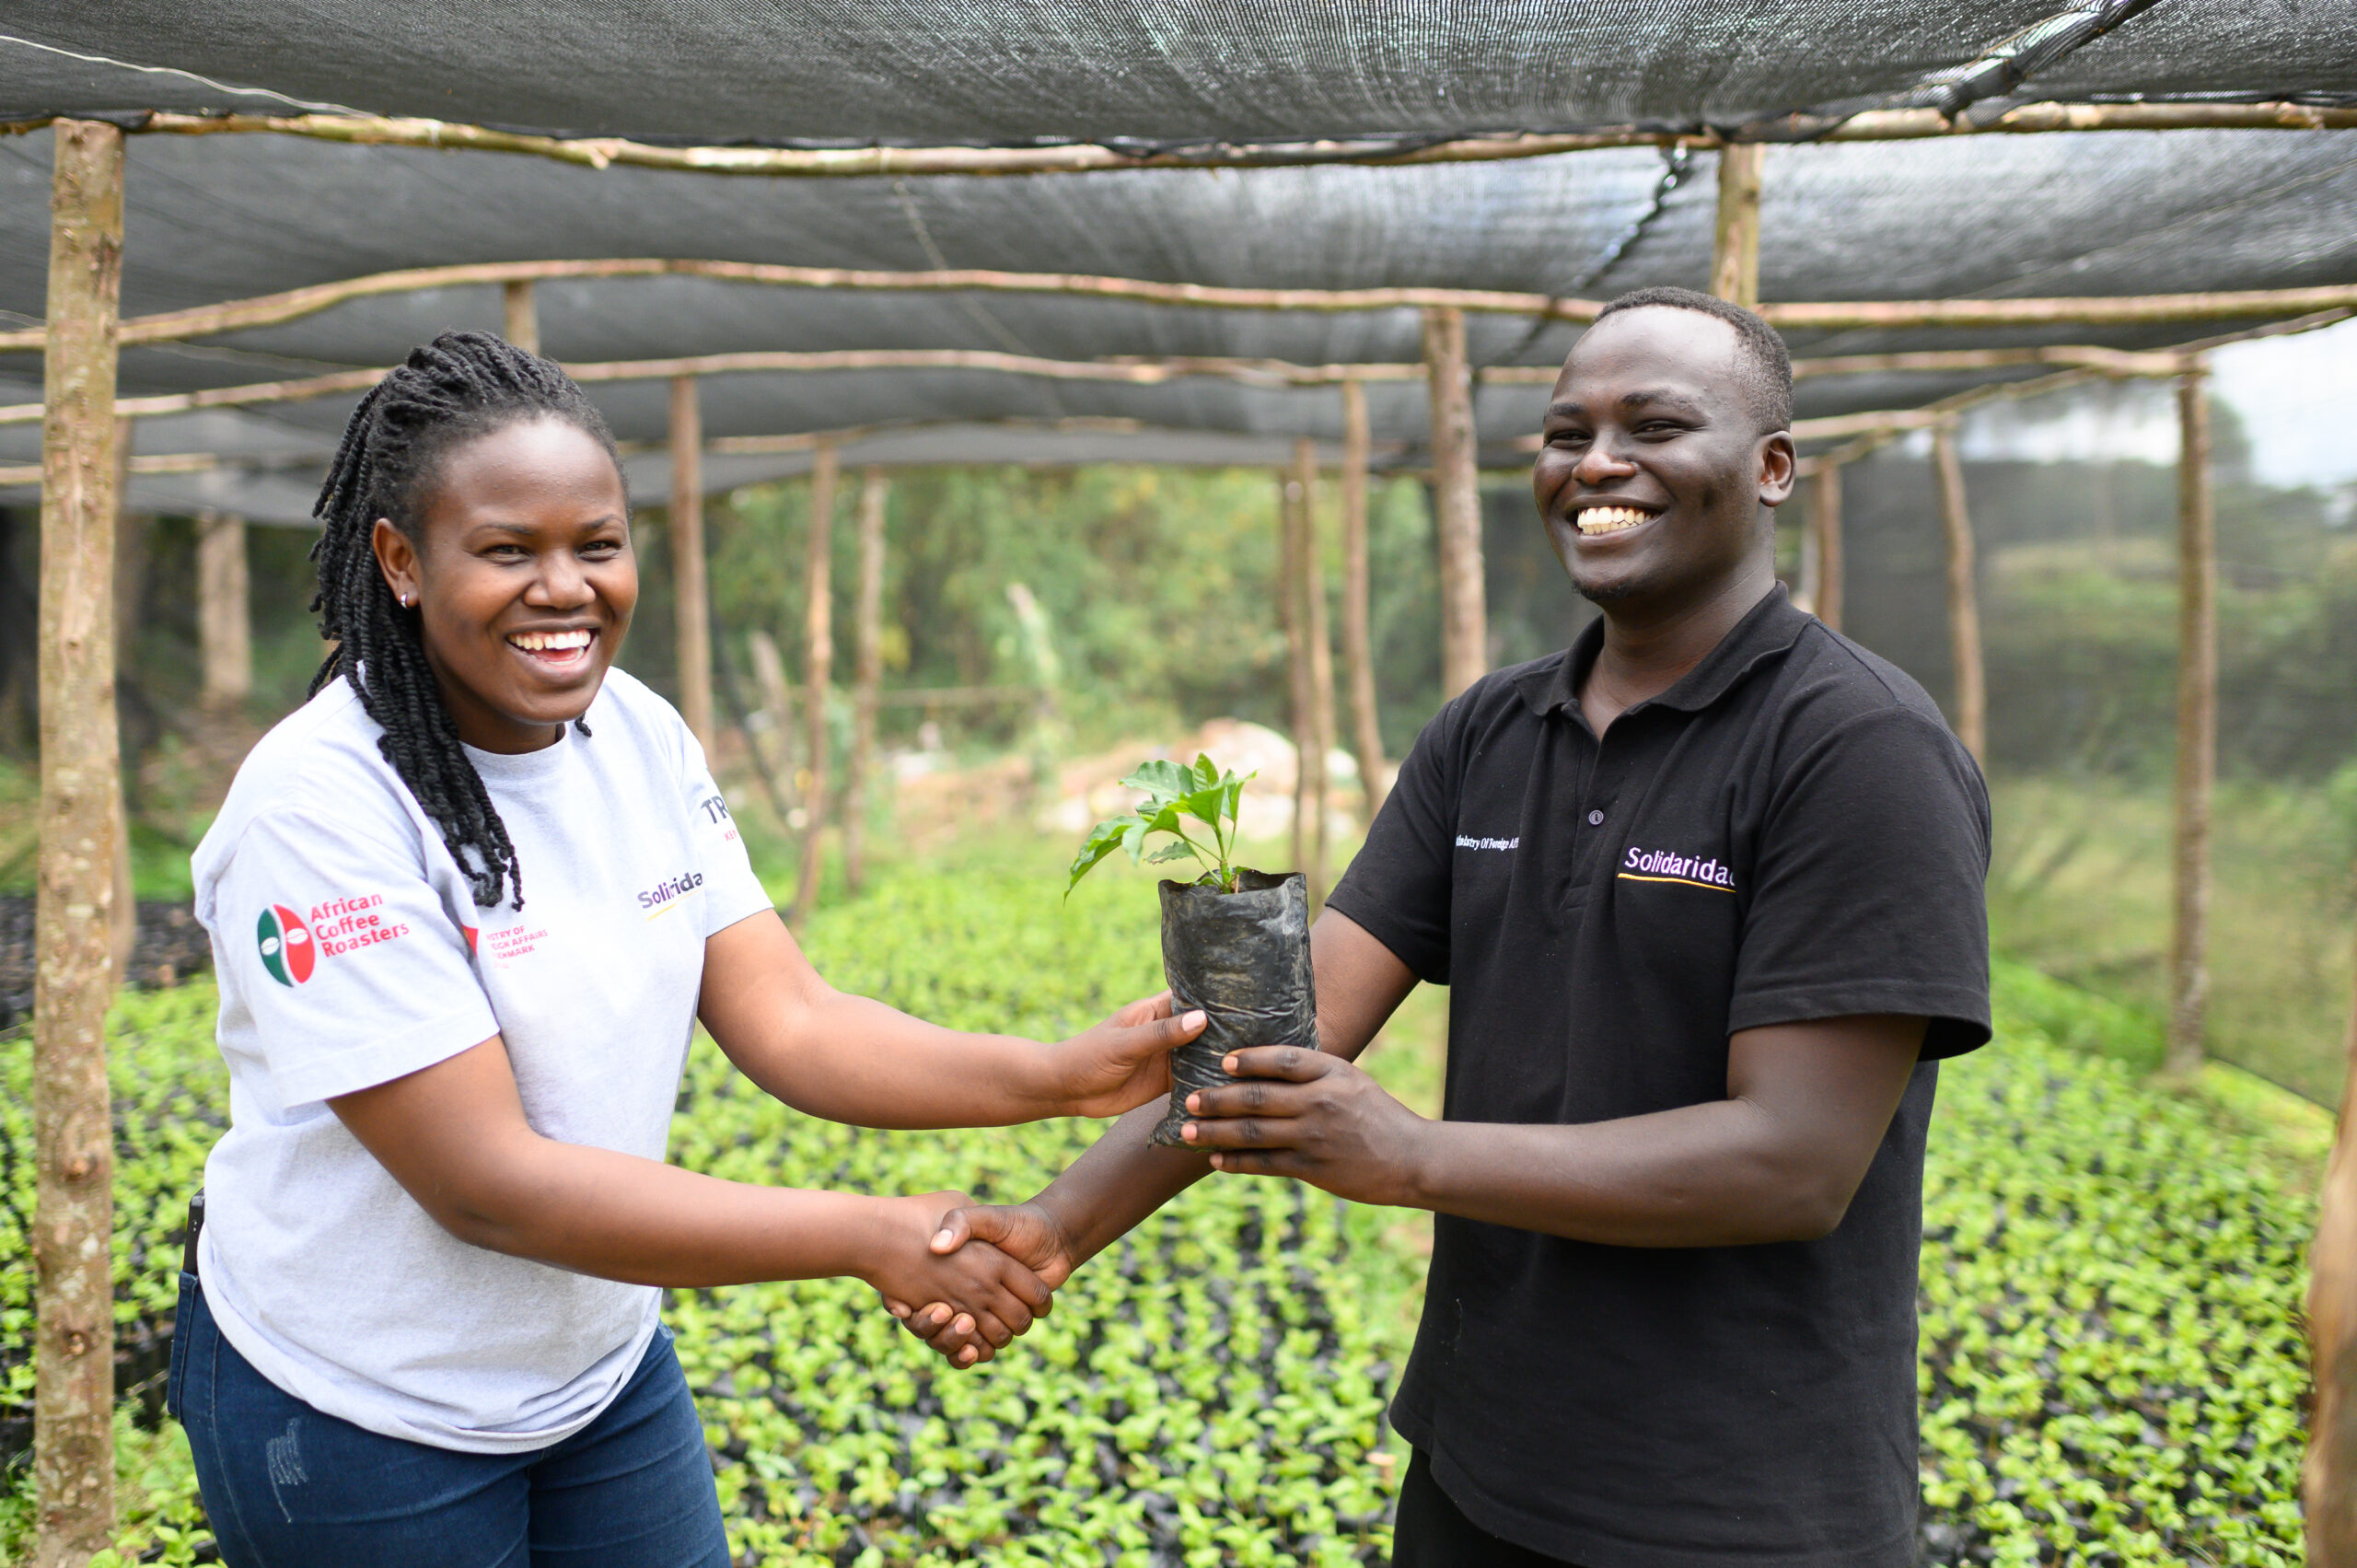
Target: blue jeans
287 1487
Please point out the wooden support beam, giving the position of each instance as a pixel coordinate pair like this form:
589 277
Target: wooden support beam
1968 704
690 587
1735 242
80 783
523 315
818 665
1358 646
1291 504
1318 671
1825 528
224 611
777 702
868 675
1082 157
1456 504
2329 1486
2196 728
273 310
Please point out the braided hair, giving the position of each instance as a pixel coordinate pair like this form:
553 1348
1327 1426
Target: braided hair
461 386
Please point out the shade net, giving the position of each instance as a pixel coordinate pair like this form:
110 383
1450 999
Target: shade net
1178 72
217 219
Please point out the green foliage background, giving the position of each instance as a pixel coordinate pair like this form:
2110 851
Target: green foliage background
2112 1369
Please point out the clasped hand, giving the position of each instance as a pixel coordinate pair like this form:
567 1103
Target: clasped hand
1298 1112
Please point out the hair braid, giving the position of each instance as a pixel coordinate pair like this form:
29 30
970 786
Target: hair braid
456 388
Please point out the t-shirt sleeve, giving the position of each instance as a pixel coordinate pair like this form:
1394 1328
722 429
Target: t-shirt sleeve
1870 886
354 971
1398 887
731 890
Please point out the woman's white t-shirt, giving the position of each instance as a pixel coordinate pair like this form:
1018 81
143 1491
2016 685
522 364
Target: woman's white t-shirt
350 952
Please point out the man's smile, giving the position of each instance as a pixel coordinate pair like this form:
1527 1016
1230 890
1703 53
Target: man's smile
1597 519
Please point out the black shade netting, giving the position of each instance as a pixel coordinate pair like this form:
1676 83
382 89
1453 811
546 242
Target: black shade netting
1243 958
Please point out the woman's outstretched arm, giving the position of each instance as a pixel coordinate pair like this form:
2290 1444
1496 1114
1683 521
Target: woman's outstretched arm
850 1059
456 1137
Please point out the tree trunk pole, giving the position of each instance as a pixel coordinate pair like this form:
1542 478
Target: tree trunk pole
867 676
523 313
224 611
1456 495
690 588
818 665
1320 665
80 778
1970 701
2196 726
1734 243
2328 1489
1292 504
1825 527
1358 651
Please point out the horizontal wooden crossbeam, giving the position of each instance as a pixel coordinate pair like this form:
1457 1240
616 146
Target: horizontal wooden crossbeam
605 152
268 310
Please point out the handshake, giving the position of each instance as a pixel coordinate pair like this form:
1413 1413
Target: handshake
968 1279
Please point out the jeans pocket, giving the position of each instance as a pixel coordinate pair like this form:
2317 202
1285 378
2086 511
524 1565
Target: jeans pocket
184 1329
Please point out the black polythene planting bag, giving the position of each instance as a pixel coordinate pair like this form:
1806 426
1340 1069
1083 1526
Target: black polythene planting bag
1243 958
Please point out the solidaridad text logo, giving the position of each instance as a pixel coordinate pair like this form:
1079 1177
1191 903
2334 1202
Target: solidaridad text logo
287 950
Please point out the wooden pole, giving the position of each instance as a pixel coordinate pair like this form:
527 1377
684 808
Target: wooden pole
868 675
271 309
523 314
80 776
1734 243
690 589
2197 726
1358 648
2329 1484
1970 703
1456 504
1825 527
1319 670
1081 158
1292 504
224 611
818 663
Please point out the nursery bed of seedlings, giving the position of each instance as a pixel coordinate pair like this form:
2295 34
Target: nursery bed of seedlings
2112 1369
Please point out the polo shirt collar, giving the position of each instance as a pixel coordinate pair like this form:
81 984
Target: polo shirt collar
1767 629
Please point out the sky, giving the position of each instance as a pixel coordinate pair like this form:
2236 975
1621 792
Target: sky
2296 397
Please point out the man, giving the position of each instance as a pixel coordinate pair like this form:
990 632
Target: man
1707 891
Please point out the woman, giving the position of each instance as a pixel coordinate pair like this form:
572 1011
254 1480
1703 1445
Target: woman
423 1327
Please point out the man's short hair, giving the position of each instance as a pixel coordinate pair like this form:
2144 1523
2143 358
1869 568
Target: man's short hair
1762 361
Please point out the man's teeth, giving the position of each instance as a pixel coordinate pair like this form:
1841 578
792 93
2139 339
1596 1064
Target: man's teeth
1609 519
549 642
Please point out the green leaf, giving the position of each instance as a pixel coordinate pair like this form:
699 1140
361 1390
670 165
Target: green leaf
1164 781
1103 839
1180 850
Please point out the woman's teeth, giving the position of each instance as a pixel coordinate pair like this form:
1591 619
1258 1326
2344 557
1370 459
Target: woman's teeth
1609 519
549 642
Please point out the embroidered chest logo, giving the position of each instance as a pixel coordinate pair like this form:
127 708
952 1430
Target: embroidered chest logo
1464 842
1668 866
293 945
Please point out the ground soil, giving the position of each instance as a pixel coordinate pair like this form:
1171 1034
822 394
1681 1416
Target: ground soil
171 947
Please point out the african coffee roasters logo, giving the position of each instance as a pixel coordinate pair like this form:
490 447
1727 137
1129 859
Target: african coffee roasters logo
292 944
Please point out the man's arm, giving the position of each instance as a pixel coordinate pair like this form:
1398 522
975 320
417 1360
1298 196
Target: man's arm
1777 1159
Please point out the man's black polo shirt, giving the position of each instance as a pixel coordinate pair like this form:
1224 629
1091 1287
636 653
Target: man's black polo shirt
1789 832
